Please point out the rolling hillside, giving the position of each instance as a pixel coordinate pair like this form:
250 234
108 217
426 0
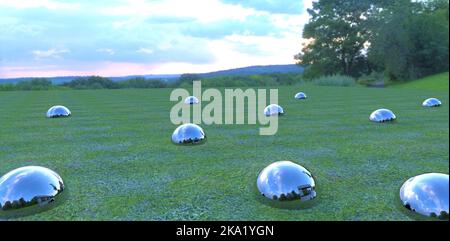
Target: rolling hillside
432 82
252 70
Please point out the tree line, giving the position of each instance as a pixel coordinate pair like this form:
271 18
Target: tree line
185 80
270 79
401 39
90 82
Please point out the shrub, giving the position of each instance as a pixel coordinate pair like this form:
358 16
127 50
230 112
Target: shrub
142 83
335 80
92 82
274 79
372 78
188 78
7 87
34 84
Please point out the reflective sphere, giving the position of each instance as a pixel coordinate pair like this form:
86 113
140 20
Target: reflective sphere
29 190
300 95
285 180
58 111
382 115
273 109
189 134
190 100
426 194
431 102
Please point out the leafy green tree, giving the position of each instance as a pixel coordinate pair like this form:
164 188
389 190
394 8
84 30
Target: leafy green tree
140 82
34 84
188 78
339 31
411 39
92 82
7 87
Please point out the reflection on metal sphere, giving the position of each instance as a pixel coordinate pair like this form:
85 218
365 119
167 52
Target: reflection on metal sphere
300 95
28 190
426 194
431 102
189 134
58 111
273 109
190 100
382 115
285 180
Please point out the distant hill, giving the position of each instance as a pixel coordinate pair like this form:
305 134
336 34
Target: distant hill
251 70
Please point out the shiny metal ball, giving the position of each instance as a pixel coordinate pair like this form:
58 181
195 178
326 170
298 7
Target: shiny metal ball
300 95
58 111
28 190
190 100
285 180
426 194
273 109
382 115
431 102
188 134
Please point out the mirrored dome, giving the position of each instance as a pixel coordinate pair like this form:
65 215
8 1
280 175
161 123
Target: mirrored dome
300 95
426 194
29 190
190 100
189 134
285 180
273 109
431 102
58 111
382 115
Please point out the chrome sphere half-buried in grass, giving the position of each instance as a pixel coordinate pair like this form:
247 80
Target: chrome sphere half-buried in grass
426 194
188 134
431 102
286 181
273 110
58 111
382 115
190 100
28 190
300 96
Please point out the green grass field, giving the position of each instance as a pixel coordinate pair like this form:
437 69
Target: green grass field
433 82
117 160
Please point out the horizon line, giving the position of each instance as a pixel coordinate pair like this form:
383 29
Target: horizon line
123 76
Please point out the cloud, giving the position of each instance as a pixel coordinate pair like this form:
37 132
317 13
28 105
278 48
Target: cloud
203 10
51 53
145 51
49 4
107 51
168 19
251 25
272 6
152 36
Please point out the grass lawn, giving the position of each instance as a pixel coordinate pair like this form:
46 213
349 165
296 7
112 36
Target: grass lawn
117 160
433 82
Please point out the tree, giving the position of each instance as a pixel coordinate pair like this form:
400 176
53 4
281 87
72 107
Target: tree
34 84
339 31
411 39
92 82
188 78
140 82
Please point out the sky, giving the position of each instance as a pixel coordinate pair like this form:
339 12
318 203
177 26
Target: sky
46 38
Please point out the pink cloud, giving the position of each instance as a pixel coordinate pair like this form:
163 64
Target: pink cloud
102 69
